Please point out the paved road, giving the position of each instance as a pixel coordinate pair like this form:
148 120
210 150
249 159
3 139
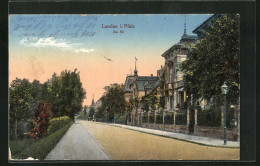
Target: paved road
77 144
185 137
125 144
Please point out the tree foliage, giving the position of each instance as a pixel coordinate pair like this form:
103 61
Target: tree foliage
64 93
20 93
214 60
113 102
41 120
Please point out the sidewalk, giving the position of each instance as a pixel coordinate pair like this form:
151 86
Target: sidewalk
183 137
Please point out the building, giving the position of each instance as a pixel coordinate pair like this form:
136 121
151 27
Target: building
200 30
139 85
175 95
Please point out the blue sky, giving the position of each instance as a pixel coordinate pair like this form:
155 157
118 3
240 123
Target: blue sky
40 45
150 30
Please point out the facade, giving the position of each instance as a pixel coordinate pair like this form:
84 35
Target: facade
137 87
189 119
175 95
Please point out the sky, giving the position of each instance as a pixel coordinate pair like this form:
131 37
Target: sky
40 45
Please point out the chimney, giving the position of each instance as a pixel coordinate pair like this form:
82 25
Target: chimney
151 75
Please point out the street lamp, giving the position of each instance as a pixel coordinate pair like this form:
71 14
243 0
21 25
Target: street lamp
225 91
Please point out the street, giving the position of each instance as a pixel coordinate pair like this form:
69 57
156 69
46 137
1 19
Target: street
85 140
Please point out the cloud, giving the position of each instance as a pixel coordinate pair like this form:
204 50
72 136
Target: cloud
52 42
83 50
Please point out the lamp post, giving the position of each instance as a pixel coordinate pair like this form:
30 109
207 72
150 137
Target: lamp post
225 91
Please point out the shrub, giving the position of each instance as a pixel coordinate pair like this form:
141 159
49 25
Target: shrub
181 118
40 121
210 118
169 118
57 123
120 118
42 147
145 118
151 118
159 118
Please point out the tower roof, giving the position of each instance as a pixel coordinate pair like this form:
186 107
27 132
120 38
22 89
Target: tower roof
135 71
93 102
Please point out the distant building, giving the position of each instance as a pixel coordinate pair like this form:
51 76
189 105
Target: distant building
139 85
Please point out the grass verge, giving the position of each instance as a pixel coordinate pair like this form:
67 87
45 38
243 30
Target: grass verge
41 148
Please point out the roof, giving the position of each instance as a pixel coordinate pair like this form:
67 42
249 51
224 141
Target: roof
143 82
92 103
206 23
146 82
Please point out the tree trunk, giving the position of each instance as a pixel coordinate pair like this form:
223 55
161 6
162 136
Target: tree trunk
16 133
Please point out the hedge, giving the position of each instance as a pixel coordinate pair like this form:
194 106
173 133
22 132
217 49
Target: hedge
57 123
210 118
42 147
159 118
169 119
181 118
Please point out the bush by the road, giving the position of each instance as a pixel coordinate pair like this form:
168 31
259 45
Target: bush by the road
18 146
42 147
57 123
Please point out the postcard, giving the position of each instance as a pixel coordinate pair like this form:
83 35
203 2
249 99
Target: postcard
124 87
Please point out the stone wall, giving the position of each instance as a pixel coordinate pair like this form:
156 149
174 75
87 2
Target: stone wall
212 132
217 132
167 127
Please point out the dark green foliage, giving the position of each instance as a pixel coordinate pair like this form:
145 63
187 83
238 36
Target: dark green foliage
145 118
57 123
156 99
214 60
181 118
230 116
113 102
210 118
91 113
120 118
66 94
21 106
151 120
159 118
85 112
41 148
169 119
21 145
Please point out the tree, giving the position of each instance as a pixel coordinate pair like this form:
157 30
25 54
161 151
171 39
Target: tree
20 108
114 101
91 112
214 59
85 112
162 89
41 120
66 93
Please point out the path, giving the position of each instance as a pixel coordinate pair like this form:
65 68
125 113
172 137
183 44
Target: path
77 144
